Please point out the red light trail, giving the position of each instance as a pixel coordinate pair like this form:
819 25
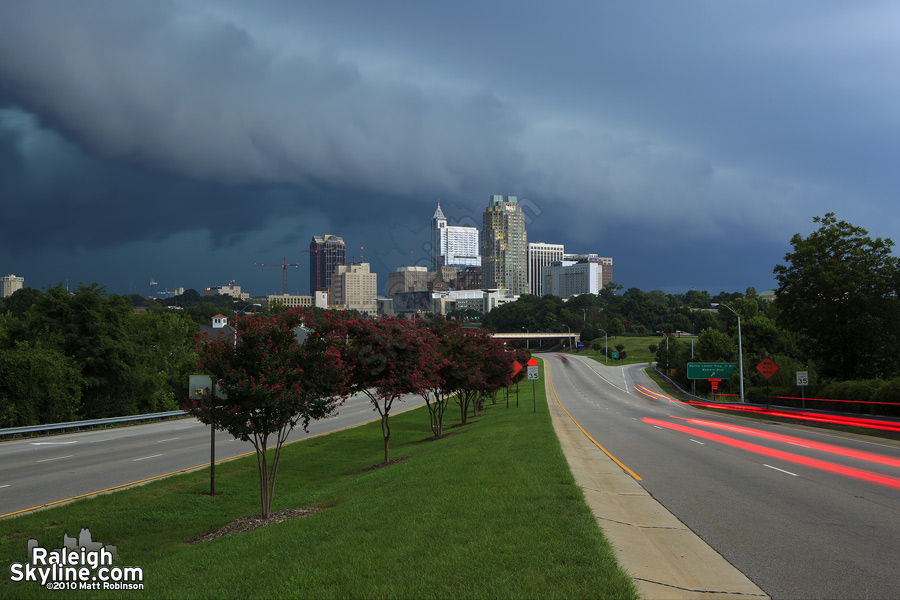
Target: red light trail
787 439
814 463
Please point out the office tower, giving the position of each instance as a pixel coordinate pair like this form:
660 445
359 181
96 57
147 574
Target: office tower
606 261
541 255
10 284
567 278
452 245
326 253
504 246
355 288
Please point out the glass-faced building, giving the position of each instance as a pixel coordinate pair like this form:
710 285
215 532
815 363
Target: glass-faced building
504 246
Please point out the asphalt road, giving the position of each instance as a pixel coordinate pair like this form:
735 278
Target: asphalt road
38 471
799 515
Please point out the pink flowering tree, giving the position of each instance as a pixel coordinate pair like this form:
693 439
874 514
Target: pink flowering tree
469 377
448 338
271 382
499 366
387 358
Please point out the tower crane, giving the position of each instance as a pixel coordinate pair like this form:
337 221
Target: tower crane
284 265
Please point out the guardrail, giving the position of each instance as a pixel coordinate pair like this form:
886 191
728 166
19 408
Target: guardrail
57 427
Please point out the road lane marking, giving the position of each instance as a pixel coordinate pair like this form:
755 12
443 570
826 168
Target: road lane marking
146 457
577 424
3 486
168 440
57 458
782 470
51 443
697 442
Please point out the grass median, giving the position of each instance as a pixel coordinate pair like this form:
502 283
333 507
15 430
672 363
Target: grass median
490 510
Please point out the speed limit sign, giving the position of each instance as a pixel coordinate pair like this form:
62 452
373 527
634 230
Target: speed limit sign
802 377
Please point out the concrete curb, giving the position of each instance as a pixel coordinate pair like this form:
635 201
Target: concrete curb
665 558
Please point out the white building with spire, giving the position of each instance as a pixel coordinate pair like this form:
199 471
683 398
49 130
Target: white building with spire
452 245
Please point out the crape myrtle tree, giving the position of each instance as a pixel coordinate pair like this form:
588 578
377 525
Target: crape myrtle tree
838 290
498 368
386 358
477 359
448 336
271 383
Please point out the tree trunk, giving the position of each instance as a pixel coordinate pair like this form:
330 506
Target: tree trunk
386 431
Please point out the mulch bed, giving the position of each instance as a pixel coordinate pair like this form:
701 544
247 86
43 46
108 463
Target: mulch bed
251 522
383 464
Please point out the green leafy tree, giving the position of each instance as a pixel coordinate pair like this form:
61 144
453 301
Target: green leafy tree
37 385
588 333
92 328
839 291
615 327
714 346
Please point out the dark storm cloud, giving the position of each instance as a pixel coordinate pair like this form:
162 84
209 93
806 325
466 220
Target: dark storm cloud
729 124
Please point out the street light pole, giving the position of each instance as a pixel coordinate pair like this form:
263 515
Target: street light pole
570 337
740 348
606 342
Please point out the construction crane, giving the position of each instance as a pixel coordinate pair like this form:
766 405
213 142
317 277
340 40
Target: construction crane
284 265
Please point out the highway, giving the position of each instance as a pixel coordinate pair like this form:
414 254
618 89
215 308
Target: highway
43 470
804 513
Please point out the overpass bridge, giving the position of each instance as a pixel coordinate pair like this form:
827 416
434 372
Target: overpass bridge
571 338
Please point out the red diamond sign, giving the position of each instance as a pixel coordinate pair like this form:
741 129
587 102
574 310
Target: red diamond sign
516 367
532 362
767 367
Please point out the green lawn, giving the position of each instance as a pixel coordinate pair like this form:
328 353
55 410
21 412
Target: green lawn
489 511
637 348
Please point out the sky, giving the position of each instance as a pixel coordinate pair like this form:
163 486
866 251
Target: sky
184 141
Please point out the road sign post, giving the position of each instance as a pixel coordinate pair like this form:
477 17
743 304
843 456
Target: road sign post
802 382
533 375
767 367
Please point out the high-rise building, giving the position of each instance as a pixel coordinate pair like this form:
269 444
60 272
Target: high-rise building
504 246
9 284
566 278
452 245
355 288
541 255
328 252
606 261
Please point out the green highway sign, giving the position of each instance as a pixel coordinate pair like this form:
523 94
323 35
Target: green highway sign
710 370
614 355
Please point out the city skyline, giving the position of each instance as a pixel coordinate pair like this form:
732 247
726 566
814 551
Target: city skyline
186 141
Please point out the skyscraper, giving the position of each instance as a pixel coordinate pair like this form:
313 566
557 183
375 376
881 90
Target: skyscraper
504 246
452 245
541 255
328 253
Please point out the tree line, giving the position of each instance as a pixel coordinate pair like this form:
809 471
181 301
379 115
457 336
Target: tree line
292 367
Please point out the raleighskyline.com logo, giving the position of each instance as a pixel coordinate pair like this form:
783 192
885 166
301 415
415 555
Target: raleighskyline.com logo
79 565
